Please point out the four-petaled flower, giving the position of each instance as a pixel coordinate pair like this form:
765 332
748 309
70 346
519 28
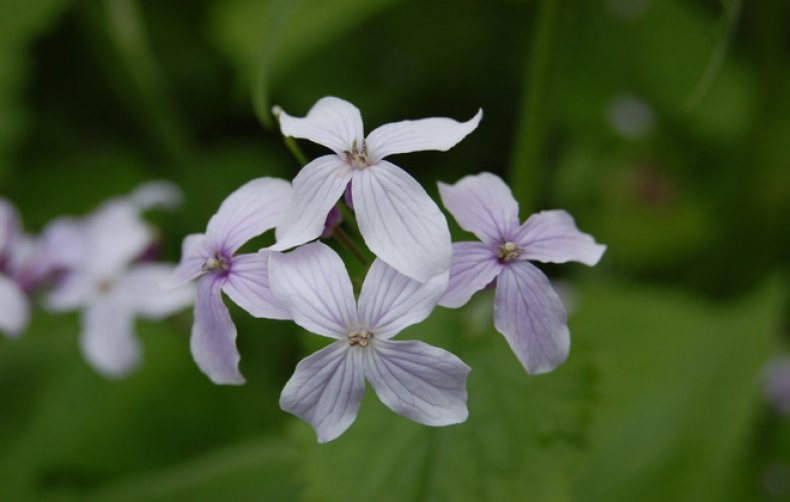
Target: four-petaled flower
527 311
416 380
110 288
398 220
250 211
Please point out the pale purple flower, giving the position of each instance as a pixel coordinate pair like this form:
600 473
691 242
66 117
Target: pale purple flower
14 304
416 380
398 220
250 211
110 289
527 310
26 263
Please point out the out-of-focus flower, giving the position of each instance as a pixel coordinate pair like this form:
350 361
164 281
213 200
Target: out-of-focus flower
776 384
251 210
14 305
527 310
111 290
416 380
398 220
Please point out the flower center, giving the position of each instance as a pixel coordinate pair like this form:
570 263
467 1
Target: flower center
216 263
360 337
509 251
358 158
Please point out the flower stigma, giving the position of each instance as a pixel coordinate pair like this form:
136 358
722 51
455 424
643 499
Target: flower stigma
216 263
358 158
509 251
360 337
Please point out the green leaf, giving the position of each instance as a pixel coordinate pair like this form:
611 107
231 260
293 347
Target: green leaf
679 383
258 469
521 442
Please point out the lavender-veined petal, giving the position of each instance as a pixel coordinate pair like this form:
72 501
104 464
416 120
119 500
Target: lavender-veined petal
139 290
313 282
482 204
107 340
331 122
248 286
193 256
326 390
254 208
530 314
390 301
474 266
316 189
421 382
14 308
436 133
213 340
400 223
552 236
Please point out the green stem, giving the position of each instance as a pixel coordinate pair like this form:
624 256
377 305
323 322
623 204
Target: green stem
350 245
525 168
297 152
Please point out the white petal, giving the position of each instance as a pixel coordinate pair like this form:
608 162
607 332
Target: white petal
326 390
400 223
248 286
115 236
418 135
552 236
531 316
482 204
72 291
312 280
332 122
213 340
107 340
474 266
14 308
156 194
251 210
141 292
420 382
317 188
62 245
390 301
193 256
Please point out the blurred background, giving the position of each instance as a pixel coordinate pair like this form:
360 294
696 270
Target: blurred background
663 126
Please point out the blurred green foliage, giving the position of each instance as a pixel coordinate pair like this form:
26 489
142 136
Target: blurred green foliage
664 129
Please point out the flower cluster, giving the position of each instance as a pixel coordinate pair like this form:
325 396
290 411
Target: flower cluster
98 264
417 267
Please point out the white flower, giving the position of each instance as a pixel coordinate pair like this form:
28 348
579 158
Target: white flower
416 380
398 220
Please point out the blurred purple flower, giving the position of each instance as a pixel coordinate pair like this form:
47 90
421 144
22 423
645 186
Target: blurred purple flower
251 210
416 380
527 310
398 220
102 280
